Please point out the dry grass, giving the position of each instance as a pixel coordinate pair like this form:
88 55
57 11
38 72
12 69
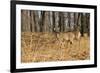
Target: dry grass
41 47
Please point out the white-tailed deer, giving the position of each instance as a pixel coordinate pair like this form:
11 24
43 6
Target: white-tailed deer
69 37
77 37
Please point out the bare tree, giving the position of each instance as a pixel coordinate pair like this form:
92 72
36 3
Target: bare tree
71 21
32 21
37 25
51 21
88 23
56 22
25 20
66 21
46 21
61 21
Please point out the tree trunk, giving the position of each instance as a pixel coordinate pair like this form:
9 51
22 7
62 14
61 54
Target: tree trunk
51 21
71 21
66 21
32 21
56 23
37 25
25 20
61 21
46 21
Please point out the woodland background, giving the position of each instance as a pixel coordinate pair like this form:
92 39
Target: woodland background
53 21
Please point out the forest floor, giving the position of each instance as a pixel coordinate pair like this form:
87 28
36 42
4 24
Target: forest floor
44 47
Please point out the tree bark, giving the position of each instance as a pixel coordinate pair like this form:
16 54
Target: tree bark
46 21
32 21
25 20
66 21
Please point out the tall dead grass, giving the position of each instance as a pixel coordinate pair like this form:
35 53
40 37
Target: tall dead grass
42 47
